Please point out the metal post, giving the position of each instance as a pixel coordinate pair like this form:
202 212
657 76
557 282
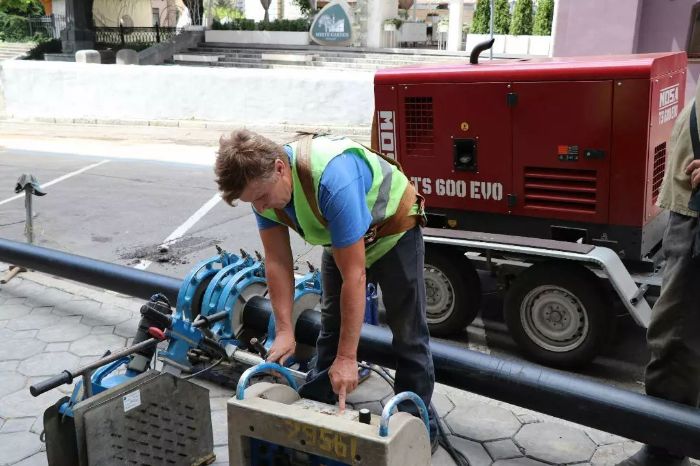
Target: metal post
157 33
121 32
491 29
28 224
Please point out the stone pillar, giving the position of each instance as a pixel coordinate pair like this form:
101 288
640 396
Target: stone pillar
454 35
127 57
88 56
377 12
208 19
79 33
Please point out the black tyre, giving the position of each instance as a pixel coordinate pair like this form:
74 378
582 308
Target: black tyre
453 290
559 314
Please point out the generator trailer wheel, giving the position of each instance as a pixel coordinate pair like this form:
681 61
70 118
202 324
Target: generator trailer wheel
453 291
558 314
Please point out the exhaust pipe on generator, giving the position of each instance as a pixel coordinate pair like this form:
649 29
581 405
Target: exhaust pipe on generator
478 48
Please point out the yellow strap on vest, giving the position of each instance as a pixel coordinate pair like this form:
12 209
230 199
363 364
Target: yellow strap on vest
286 219
399 222
303 163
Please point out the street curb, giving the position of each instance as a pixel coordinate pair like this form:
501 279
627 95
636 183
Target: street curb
198 124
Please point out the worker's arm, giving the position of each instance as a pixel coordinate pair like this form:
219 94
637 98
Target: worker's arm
280 282
343 372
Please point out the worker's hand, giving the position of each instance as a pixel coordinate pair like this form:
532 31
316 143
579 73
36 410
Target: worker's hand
344 379
693 170
282 348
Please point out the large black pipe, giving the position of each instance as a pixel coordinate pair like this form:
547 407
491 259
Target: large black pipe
621 412
126 280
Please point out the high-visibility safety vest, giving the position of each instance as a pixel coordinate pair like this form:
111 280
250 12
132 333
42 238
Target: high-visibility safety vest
391 198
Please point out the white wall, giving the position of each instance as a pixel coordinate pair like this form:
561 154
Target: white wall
595 27
35 89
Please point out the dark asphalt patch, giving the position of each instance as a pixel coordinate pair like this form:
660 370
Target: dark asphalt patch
174 253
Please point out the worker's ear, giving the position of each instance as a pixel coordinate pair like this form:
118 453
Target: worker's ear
279 166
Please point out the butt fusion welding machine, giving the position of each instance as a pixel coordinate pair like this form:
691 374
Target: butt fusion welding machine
123 411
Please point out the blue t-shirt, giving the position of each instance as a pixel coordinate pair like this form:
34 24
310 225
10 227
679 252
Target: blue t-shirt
341 198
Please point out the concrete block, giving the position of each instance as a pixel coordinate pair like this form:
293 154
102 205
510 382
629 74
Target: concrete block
127 57
571 445
65 331
287 57
443 405
33 322
475 453
519 462
13 311
197 58
108 57
48 364
614 453
503 449
96 345
38 459
54 347
11 382
482 422
17 446
18 425
20 349
88 56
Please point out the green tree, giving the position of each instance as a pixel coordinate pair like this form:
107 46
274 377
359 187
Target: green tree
521 24
22 7
543 18
501 17
482 16
304 6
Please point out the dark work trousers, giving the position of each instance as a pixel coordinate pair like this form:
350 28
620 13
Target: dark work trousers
399 274
673 336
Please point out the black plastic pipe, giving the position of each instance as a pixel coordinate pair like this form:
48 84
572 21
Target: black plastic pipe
621 412
119 278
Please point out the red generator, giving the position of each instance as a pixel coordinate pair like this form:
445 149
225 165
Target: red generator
564 149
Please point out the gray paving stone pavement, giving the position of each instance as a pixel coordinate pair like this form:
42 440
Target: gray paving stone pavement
48 324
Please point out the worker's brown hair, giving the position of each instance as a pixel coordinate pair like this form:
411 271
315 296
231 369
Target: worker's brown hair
244 156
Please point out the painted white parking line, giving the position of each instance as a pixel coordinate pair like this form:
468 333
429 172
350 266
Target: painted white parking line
58 180
182 229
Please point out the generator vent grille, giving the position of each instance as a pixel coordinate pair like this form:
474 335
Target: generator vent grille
560 189
419 126
659 168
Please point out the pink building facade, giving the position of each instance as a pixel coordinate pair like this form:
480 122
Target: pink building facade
603 27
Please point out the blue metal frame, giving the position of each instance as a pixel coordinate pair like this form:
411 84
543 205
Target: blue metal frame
194 279
215 288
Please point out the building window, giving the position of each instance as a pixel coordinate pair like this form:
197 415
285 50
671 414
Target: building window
156 15
694 35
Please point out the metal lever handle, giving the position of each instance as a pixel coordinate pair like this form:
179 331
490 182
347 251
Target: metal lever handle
391 405
264 367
